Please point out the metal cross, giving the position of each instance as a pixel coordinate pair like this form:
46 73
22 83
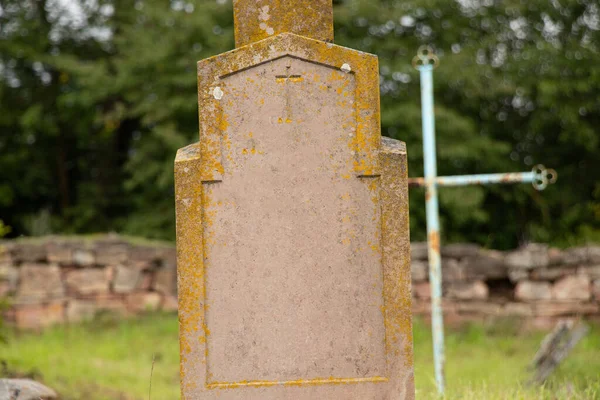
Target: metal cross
425 61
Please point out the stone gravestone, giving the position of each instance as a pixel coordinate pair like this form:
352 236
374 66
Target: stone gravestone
292 221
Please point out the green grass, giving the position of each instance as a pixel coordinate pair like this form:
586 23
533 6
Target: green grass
109 359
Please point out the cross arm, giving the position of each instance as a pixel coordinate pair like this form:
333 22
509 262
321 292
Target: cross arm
539 176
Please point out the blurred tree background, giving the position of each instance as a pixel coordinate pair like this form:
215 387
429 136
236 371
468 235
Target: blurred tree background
96 96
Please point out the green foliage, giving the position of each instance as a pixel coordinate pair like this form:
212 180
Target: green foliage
95 106
516 86
4 229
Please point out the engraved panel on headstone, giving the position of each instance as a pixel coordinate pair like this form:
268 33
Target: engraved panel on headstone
292 234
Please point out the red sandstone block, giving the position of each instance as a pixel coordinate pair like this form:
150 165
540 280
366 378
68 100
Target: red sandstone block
573 287
25 252
126 279
88 280
528 290
165 280
421 290
39 282
596 290
144 301
108 253
170 303
477 290
479 308
36 316
518 309
556 309
61 252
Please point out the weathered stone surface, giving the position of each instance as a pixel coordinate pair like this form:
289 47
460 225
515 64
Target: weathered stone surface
542 323
88 280
453 271
555 256
25 389
596 289
81 310
581 255
421 307
477 290
555 309
460 250
126 279
257 21
529 290
115 303
419 270
518 309
147 281
9 274
165 280
534 255
518 274
144 301
551 273
25 252
35 316
61 252
143 258
167 258
594 254
592 271
575 287
39 282
575 256
169 303
418 251
108 253
294 231
84 257
479 308
422 290
488 264
6 252
6 289
451 315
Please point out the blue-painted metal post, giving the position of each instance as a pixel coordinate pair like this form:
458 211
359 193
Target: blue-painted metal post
540 177
426 63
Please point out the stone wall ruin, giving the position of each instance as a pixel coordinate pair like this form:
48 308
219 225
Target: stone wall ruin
54 280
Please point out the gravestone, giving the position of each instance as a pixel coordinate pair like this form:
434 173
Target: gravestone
292 221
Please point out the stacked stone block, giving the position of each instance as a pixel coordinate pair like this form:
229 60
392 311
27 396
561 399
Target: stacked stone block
60 280
534 281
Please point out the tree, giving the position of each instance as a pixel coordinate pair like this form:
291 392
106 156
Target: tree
516 87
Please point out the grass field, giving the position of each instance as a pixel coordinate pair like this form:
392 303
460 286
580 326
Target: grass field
112 360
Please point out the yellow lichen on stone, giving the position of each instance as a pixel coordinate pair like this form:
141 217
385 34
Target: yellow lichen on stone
200 171
256 20
365 140
396 254
188 197
298 382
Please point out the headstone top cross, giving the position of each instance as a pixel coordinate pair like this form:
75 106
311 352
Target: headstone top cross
257 20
